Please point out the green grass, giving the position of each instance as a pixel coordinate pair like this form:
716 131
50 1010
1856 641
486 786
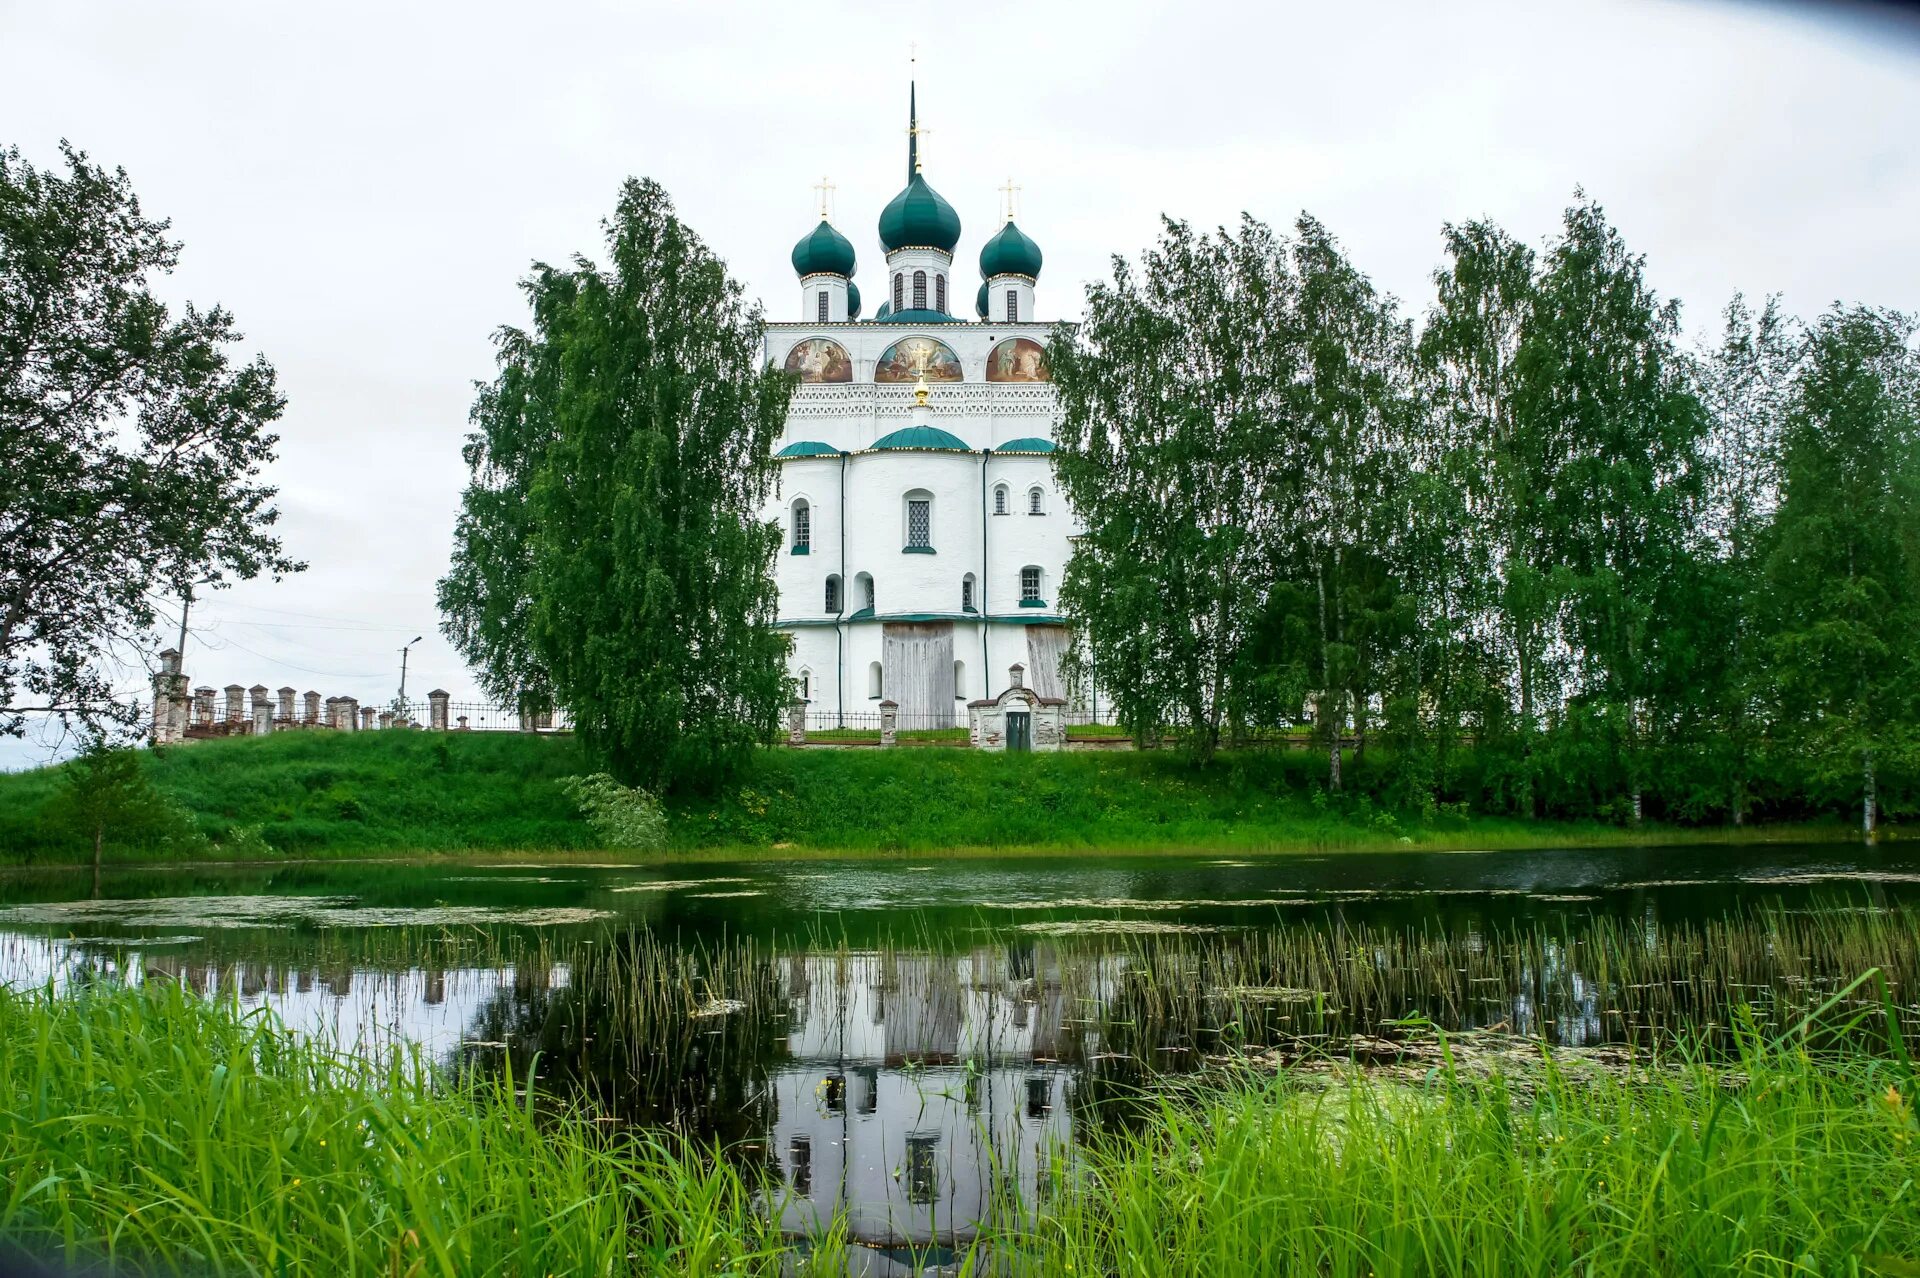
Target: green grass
394 793
147 1126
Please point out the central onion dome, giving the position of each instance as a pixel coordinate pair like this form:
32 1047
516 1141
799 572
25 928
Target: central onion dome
918 217
823 251
1010 252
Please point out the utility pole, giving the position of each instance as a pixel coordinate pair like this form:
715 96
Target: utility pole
400 705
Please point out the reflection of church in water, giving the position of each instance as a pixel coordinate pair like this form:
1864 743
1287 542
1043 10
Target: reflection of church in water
922 1085
925 537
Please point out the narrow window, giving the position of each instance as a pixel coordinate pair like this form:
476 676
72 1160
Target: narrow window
920 523
919 290
802 527
833 593
1033 502
940 294
1000 499
1013 305
873 681
823 306
1029 584
966 593
806 685
899 284
867 593
959 681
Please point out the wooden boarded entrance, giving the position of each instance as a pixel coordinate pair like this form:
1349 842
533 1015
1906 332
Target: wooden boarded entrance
1046 648
916 669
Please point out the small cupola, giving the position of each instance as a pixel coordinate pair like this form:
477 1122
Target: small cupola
1010 263
918 230
823 259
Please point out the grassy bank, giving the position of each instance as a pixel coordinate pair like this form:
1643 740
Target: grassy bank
327 794
146 1125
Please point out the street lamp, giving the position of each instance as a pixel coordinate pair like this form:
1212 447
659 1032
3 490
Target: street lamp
400 706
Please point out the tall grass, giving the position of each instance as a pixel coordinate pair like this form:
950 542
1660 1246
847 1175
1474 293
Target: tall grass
160 1130
1785 1165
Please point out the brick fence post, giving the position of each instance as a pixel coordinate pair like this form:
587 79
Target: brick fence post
366 716
168 687
203 706
236 703
262 717
284 711
311 712
889 722
437 709
797 723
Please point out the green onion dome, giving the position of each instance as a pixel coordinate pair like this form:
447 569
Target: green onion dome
853 300
808 448
919 217
1010 252
823 251
886 309
980 301
921 439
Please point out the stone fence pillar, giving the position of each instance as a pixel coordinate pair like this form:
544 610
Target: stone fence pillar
386 719
437 701
236 703
333 713
311 708
284 710
203 706
797 723
463 725
169 692
889 722
350 713
257 696
262 717
366 716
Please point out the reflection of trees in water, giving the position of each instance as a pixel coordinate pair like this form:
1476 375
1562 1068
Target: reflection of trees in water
645 1033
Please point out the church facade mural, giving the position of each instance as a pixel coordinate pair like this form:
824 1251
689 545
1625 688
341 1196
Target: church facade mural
905 359
1018 359
820 359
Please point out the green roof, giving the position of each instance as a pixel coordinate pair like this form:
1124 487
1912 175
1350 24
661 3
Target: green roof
853 300
808 448
980 301
1030 444
926 439
1010 252
886 309
885 316
823 250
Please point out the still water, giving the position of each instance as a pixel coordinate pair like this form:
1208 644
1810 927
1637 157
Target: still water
901 1040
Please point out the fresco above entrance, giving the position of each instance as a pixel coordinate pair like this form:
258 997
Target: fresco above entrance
905 359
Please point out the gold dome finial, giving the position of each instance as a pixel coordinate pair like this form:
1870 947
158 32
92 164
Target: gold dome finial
920 390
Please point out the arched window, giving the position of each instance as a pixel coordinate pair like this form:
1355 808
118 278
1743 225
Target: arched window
864 593
1036 501
806 684
802 526
833 593
919 520
940 294
899 289
966 594
873 681
823 306
1030 586
959 681
999 499
919 290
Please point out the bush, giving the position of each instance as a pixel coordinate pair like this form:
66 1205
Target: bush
622 816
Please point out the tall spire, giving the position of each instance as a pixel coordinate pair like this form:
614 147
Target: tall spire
913 132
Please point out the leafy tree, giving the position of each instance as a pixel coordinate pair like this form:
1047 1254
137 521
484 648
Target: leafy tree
130 446
106 797
1843 560
1173 391
610 552
1604 400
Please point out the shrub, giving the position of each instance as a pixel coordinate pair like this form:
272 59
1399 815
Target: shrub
621 816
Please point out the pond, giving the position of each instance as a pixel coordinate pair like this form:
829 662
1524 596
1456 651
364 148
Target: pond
901 1040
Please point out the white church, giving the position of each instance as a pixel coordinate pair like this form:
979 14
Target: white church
925 538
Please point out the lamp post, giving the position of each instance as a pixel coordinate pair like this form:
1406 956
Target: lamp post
400 705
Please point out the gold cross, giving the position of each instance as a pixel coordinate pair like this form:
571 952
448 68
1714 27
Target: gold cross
823 186
1009 190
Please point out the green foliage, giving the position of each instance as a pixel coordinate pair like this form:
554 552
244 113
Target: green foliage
610 554
148 1124
107 799
131 449
621 816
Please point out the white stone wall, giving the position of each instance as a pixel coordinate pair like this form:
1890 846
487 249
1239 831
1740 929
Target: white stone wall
835 287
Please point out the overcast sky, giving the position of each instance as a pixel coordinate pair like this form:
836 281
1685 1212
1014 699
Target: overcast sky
363 185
